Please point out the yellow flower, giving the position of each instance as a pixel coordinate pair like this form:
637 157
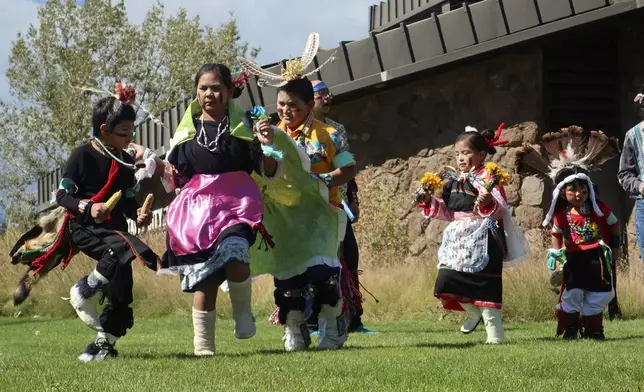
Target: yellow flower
500 176
431 181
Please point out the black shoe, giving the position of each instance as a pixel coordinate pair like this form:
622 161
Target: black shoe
595 335
570 335
97 351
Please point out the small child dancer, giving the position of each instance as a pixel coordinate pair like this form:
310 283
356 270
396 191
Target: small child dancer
94 173
481 237
585 233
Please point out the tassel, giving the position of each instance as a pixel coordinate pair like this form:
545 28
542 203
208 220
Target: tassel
267 239
271 152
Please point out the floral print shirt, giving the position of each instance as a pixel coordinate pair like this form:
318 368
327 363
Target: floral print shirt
583 231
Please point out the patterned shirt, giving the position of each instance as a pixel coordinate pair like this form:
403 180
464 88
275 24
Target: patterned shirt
582 232
327 150
339 128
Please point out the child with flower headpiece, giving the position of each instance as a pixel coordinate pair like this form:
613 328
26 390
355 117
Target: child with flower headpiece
585 233
482 236
97 190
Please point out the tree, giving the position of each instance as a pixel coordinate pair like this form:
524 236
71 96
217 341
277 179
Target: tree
93 45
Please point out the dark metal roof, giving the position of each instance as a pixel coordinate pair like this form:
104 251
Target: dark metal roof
399 52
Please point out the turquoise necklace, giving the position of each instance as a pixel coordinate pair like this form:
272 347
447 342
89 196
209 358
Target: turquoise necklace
128 165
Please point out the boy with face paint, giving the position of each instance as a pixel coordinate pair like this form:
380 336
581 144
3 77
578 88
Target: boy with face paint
93 174
349 249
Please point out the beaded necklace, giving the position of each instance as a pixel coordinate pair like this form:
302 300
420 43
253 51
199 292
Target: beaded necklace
212 145
128 165
306 132
587 232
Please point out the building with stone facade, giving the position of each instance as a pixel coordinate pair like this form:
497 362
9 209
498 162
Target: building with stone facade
430 67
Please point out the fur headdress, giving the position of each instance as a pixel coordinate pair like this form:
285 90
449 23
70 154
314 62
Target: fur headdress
292 69
573 149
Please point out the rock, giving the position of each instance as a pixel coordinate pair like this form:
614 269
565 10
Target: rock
520 134
414 224
532 191
530 132
529 217
512 191
434 231
418 247
508 160
538 240
434 163
395 166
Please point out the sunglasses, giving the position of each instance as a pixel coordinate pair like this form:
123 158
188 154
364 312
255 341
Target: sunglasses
323 95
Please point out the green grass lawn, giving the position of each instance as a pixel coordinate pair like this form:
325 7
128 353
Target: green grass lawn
40 355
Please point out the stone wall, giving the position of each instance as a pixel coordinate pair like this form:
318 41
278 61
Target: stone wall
400 133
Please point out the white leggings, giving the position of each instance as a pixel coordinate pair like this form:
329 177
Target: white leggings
588 303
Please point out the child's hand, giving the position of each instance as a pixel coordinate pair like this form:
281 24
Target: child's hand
139 151
425 198
142 219
264 132
484 197
100 212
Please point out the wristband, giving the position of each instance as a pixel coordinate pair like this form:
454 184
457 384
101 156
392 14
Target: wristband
82 205
327 178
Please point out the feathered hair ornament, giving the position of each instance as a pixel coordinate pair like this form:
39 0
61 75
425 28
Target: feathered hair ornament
126 94
495 141
292 69
569 148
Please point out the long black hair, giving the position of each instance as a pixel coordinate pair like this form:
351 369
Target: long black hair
478 140
110 111
224 75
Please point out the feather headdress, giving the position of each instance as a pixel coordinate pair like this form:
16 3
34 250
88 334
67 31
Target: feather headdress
569 148
292 69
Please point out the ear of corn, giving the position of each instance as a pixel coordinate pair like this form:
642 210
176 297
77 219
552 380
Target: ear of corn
111 203
147 204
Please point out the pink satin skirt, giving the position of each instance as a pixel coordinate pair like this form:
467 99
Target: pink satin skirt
209 204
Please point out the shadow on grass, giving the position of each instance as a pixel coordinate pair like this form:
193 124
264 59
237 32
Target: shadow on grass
608 339
13 321
187 356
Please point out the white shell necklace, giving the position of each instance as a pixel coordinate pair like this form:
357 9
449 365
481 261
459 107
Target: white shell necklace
205 142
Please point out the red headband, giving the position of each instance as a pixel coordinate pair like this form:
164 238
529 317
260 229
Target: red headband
495 141
126 93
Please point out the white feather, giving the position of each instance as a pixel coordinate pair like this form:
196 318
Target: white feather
257 70
310 49
568 160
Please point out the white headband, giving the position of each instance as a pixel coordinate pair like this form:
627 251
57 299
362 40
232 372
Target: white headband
561 185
